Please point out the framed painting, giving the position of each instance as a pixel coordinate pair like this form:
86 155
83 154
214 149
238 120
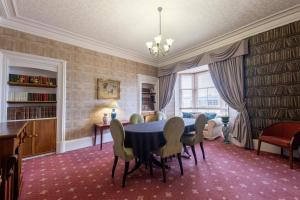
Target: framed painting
108 89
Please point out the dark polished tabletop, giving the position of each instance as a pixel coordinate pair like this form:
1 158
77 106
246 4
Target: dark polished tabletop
11 129
145 138
157 126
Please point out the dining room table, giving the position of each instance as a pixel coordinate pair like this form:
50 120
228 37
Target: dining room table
145 138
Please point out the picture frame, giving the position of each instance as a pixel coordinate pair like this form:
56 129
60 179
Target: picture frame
108 89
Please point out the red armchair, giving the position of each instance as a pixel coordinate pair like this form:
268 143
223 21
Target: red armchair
283 134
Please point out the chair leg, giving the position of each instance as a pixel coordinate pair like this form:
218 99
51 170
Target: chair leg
150 165
125 173
281 152
185 150
291 157
162 160
114 166
258 148
202 149
194 154
180 163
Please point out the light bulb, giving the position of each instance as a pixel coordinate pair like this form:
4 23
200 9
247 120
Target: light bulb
166 47
169 41
157 39
149 45
155 49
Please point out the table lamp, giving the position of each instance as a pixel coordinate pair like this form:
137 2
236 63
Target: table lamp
114 106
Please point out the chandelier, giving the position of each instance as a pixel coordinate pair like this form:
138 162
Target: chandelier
156 48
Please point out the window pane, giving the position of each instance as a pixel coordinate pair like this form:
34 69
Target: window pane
186 98
186 81
202 98
204 80
213 98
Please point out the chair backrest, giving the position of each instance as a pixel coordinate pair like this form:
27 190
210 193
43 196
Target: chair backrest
283 129
118 135
150 118
160 116
199 127
173 130
136 119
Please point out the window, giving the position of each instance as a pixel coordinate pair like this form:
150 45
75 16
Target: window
187 85
198 94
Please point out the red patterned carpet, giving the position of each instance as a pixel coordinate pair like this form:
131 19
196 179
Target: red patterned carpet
228 173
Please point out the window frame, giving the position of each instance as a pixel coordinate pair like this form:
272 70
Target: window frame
195 88
181 89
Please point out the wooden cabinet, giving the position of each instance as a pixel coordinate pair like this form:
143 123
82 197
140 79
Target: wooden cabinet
41 137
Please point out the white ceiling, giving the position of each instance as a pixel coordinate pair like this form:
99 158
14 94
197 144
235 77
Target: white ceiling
127 24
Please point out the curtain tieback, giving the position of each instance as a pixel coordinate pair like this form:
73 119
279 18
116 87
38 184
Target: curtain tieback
242 107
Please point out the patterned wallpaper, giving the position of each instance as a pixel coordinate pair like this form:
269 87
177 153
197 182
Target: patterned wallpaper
83 68
273 77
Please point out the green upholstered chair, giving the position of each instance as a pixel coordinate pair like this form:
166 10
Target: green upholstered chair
150 118
173 130
126 154
136 119
191 139
160 116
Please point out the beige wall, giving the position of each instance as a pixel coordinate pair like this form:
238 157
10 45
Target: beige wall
83 68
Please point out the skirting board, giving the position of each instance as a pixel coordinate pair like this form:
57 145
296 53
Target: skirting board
267 147
86 142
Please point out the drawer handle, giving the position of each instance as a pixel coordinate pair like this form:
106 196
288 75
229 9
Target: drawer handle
35 135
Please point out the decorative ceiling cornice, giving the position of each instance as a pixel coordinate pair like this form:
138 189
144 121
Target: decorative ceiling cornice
11 19
276 20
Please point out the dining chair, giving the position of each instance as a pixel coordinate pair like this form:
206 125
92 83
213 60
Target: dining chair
160 116
136 119
173 130
150 118
126 154
193 138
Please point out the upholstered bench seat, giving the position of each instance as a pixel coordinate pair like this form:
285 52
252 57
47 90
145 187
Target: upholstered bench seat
275 140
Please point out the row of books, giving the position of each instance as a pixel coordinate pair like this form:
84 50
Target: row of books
30 112
32 79
26 96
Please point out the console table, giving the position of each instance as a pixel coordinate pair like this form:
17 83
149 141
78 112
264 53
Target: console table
101 127
12 135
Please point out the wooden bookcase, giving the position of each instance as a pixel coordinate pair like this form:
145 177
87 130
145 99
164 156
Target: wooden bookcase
148 95
31 96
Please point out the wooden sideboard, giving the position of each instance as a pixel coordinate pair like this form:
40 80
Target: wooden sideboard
12 135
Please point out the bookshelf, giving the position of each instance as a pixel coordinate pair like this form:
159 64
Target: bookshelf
30 94
31 85
33 89
148 94
36 87
148 97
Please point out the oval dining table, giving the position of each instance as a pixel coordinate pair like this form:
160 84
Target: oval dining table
145 138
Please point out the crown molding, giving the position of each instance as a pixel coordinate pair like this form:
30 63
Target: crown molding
10 19
276 20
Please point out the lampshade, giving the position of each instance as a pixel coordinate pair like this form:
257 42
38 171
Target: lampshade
149 44
169 41
157 39
114 104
